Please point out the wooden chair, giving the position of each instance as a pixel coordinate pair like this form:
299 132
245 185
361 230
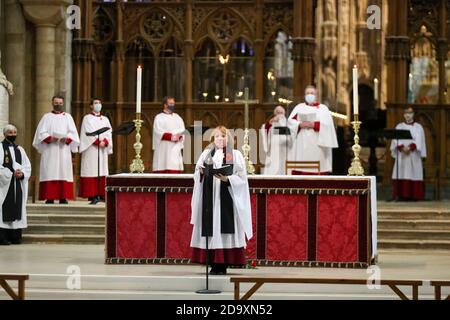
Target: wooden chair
21 285
290 165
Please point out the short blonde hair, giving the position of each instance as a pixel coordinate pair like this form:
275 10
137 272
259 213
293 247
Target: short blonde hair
223 130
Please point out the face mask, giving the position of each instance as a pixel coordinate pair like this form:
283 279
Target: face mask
11 138
409 116
58 107
97 107
171 107
310 98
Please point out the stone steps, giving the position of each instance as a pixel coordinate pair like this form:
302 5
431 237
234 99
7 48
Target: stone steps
413 244
63 238
414 214
66 229
76 223
398 234
78 219
389 224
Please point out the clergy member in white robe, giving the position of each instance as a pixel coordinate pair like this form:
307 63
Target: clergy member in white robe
221 210
275 144
315 135
168 140
409 184
94 153
15 170
56 138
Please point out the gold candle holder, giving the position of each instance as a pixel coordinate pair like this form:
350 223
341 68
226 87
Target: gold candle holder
356 168
246 150
137 166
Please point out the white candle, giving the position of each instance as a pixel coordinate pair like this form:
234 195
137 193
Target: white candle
375 88
355 91
138 89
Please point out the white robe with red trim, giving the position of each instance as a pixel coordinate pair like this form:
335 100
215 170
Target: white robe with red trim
56 157
275 147
89 151
167 154
310 145
240 193
410 167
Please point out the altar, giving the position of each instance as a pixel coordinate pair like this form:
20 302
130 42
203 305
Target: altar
307 221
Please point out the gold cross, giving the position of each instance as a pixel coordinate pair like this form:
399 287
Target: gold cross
246 102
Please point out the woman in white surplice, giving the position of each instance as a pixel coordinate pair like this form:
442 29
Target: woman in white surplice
221 210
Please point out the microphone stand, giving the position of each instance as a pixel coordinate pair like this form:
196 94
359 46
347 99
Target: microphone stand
207 290
97 133
97 198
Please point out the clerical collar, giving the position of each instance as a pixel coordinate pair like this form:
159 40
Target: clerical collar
315 104
410 123
57 112
166 112
96 115
9 143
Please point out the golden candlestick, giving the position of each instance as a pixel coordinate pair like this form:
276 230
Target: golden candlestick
356 168
246 151
246 147
137 165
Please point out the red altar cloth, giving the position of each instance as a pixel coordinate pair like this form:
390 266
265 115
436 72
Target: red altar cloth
297 220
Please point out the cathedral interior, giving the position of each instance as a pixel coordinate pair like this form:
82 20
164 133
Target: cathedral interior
204 53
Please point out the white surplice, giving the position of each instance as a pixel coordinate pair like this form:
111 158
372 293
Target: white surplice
167 154
275 147
309 145
239 191
410 167
89 151
5 180
56 157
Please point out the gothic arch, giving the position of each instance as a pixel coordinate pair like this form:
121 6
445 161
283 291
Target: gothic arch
238 30
103 26
271 35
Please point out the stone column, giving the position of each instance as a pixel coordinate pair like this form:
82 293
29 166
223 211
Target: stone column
303 46
6 89
14 66
397 55
45 15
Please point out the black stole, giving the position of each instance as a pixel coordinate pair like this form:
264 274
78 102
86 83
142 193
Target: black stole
226 201
12 206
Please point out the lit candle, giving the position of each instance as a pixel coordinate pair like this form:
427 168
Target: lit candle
139 89
375 88
355 91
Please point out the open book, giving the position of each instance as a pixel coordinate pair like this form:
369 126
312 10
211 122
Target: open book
282 131
226 170
308 117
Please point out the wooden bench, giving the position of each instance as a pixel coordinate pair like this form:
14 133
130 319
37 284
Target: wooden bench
437 289
21 285
258 282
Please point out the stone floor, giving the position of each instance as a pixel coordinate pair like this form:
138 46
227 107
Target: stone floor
51 266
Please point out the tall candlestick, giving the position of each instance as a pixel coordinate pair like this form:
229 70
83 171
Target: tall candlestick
139 89
355 91
375 89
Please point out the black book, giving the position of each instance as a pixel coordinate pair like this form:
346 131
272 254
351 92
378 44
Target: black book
226 170
282 131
